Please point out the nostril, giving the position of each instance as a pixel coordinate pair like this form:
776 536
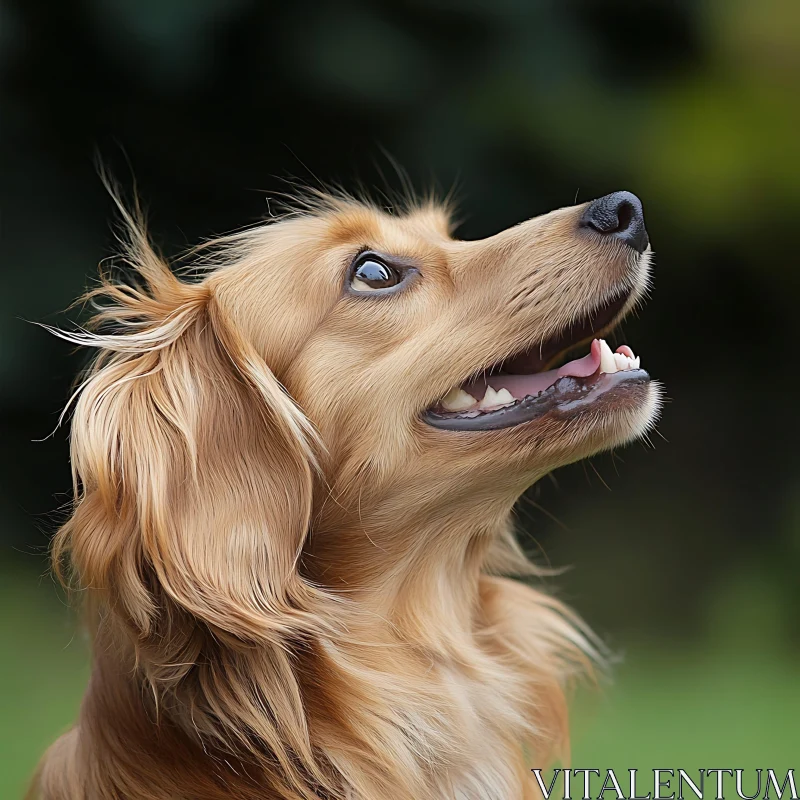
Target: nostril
625 212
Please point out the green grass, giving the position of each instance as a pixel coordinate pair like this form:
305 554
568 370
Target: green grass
667 707
693 710
43 671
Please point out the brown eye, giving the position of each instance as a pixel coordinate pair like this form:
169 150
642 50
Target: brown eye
370 274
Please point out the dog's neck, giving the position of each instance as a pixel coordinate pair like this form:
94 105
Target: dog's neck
372 558
436 674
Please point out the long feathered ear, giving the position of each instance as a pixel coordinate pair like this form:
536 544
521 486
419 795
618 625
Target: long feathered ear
193 468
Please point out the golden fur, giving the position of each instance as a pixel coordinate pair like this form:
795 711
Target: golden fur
293 582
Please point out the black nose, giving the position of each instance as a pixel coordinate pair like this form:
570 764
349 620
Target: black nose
618 216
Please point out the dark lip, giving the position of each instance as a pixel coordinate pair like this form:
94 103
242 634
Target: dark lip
566 396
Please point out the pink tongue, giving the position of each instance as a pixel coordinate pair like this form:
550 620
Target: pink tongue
522 385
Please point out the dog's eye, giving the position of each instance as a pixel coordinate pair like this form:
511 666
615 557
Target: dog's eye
371 273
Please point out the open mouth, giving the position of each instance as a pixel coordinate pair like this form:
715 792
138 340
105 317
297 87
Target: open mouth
520 389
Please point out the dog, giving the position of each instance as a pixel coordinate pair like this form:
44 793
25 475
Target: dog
294 480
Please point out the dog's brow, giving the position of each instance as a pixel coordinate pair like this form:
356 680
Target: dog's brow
356 225
432 220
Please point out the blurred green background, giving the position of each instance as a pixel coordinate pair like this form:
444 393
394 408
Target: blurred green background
683 557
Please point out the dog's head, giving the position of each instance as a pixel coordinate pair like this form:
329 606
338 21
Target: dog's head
432 367
344 366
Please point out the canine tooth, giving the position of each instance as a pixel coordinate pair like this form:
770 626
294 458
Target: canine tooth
493 399
636 362
622 362
458 400
607 362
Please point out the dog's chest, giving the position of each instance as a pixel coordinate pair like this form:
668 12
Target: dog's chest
477 730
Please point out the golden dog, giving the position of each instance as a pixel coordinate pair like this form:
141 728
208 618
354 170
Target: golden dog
294 481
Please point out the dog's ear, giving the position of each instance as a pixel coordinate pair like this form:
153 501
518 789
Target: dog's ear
193 467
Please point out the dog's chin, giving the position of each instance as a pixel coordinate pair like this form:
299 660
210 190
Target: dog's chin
625 407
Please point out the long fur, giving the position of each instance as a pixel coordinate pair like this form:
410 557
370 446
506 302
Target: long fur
271 616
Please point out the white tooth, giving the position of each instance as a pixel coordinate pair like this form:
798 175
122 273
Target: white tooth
504 397
493 399
489 399
636 362
458 400
622 362
607 362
